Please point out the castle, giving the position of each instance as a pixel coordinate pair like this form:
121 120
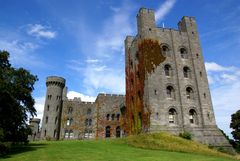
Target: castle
166 90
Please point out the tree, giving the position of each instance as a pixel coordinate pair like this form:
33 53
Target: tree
235 125
16 101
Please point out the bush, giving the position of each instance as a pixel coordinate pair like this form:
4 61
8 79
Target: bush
48 138
186 135
4 147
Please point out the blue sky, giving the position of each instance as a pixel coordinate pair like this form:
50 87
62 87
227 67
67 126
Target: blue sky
82 41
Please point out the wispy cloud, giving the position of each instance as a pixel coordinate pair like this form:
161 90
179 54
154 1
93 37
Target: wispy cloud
225 86
103 69
41 31
164 9
21 52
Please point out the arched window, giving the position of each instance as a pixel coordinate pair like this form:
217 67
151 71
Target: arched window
170 92
192 116
56 118
172 116
189 93
108 132
90 122
70 110
165 50
118 117
89 111
113 115
183 53
168 70
118 132
69 121
46 121
186 72
108 116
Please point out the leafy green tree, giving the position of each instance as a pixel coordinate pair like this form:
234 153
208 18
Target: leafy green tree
235 125
16 101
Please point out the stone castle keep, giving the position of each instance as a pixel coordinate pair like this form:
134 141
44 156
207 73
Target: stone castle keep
166 90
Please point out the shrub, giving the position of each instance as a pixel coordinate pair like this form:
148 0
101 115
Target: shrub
4 147
48 138
186 135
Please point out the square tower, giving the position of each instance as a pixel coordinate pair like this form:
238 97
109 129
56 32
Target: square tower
166 81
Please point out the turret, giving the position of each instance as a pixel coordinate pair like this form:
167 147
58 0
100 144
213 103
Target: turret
145 20
53 108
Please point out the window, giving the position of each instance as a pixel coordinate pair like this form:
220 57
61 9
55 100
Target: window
46 120
172 116
170 92
88 122
55 120
57 108
189 93
70 110
157 115
131 64
204 94
186 72
139 95
66 134
113 115
48 107
138 75
108 132
108 116
71 135
118 132
167 70
118 117
183 53
192 116
89 111
88 133
49 97
165 50
55 133
200 74
69 121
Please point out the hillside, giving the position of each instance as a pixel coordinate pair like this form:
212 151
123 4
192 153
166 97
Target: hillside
134 148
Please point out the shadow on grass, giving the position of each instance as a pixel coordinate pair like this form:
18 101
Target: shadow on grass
22 149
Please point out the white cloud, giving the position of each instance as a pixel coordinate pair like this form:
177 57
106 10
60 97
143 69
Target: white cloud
164 9
41 31
39 105
212 66
73 94
21 53
92 60
225 86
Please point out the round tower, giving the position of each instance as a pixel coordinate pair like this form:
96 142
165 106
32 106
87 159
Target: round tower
53 108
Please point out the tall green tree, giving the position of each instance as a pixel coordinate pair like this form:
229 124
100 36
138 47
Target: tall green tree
235 125
16 101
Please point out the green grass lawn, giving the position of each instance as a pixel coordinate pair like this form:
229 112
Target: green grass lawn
103 150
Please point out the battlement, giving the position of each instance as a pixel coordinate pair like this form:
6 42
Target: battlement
55 80
110 95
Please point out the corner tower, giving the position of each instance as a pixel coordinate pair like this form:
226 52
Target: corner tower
53 108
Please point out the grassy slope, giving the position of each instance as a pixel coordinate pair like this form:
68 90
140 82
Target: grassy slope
107 150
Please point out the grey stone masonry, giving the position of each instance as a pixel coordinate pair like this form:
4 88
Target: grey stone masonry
52 108
177 92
